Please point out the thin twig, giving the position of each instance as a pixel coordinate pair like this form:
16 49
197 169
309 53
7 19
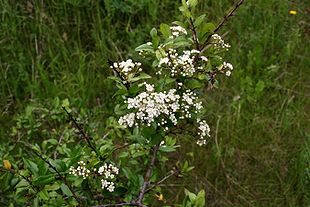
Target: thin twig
118 204
221 24
194 33
82 132
13 172
173 172
148 175
53 167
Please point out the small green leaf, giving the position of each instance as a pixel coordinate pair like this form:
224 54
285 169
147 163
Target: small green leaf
43 194
191 196
142 76
205 29
145 47
165 30
192 3
260 85
31 166
200 199
44 179
52 187
65 189
193 83
199 20
154 36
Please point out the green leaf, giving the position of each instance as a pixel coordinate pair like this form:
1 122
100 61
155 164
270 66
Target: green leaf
191 196
200 199
22 183
140 77
154 36
31 166
44 179
193 83
192 3
65 189
167 148
205 30
59 165
116 79
43 194
260 85
181 24
199 20
165 30
52 187
145 47
134 89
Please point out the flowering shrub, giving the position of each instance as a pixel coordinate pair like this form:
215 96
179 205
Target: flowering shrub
156 95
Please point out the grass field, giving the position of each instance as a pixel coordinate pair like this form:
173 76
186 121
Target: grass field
259 154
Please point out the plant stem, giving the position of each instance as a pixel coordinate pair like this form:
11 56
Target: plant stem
82 132
221 24
194 33
147 176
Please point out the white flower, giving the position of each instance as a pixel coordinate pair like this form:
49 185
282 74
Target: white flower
204 130
219 42
228 65
177 31
160 107
126 67
108 171
81 170
228 73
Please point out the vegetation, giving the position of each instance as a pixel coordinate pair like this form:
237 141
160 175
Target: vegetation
55 53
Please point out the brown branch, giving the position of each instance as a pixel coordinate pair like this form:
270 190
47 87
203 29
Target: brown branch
147 176
82 132
221 24
118 204
194 33
53 167
13 172
173 172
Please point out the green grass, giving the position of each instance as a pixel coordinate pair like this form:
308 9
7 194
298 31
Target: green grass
259 152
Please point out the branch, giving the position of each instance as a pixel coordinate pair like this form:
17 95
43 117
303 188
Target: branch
58 173
173 172
125 82
85 136
13 172
194 33
221 24
53 167
118 204
147 176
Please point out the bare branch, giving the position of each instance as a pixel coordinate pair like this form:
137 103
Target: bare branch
148 175
82 132
222 23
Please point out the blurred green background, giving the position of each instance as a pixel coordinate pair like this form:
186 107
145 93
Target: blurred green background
259 153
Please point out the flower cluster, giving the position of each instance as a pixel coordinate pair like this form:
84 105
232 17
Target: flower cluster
151 106
229 67
177 31
81 170
180 64
219 42
204 131
108 171
126 67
